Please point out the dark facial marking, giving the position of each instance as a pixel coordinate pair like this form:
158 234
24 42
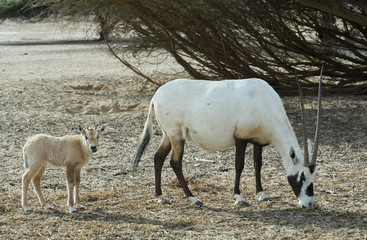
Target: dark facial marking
302 177
312 168
309 190
296 185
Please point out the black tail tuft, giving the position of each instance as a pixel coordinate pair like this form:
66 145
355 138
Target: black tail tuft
144 143
146 135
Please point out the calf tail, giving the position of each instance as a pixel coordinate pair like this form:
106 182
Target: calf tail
25 159
145 138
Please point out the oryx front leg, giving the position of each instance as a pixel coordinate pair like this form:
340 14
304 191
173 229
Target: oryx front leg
176 164
70 177
258 164
239 165
159 158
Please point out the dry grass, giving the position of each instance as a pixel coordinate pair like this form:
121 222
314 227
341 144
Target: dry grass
54 88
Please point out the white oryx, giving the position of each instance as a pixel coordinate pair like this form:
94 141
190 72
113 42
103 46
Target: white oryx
72 152
216 115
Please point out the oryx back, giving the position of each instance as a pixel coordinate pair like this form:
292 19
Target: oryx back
212 114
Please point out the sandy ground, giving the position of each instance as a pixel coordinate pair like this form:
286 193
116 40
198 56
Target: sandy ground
55 78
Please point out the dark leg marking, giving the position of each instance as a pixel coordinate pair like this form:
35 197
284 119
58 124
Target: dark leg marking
176 164
258 162
239 165
159 158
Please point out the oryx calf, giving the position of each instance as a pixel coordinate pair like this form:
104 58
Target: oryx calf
72 152
216 115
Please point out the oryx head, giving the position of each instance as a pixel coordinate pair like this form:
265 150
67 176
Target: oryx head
302 181
90 136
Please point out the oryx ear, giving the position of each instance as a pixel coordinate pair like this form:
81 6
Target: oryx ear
292 155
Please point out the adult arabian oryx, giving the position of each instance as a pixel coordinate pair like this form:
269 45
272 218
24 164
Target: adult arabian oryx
216 115
71 152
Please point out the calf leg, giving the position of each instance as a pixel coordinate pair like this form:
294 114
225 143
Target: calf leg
159 157
70 177
239 165
36 181
176 164
26 180
77 184
258 164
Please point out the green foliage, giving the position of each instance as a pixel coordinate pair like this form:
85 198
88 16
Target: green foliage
19 8
9 9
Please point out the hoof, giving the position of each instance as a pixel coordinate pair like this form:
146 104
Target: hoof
72 210
48 207
198 203
263 197
27 209
242 203
267 199
162 200
195 201
81 207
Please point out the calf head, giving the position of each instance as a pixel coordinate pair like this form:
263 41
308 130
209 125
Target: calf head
90 136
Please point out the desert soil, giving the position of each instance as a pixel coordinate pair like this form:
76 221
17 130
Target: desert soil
54 77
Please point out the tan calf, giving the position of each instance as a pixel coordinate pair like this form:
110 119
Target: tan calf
72 152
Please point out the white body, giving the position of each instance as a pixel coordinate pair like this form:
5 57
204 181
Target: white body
44 149
213 114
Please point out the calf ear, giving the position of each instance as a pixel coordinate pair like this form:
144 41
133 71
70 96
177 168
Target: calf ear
81 130
101 129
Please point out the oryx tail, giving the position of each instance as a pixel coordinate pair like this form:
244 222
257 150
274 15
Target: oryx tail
145 137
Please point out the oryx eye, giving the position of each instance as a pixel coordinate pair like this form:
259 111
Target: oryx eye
86 138
292 153
302 177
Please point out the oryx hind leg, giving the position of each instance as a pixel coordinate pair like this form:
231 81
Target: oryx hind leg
176 163
258 165
239 165
159 157
36 181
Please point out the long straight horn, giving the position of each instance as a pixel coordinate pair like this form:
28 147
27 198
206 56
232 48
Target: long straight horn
316 144
304 129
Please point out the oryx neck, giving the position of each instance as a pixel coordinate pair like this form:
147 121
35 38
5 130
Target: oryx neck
285 140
